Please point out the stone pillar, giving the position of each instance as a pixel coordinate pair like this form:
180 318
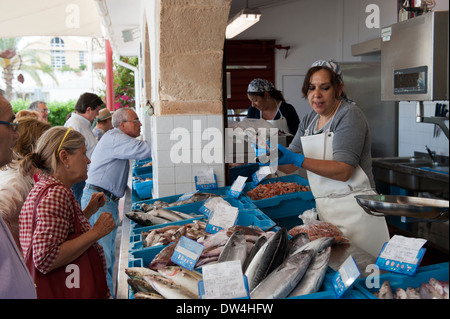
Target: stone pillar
191 41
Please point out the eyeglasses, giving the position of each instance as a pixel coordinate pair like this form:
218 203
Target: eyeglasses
134 121
44 111
14 126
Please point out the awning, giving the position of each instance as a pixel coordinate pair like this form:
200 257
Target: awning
21 18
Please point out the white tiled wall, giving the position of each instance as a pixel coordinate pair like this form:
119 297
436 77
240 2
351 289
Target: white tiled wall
171 178
414 136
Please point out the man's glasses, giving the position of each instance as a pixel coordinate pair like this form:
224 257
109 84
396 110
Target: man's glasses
14 126
134 121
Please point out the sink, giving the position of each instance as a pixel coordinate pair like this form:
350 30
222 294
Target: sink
417 174
432 167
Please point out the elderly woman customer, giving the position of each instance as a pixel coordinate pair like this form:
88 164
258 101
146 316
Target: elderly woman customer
15 184
54 231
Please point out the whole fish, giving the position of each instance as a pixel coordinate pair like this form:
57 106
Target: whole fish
280 282
183 277
168 289
139 272
162 259
412 293
298 241
145 219
147 295
313 278
316 245
235 248
168 214
140 285
268 257
258 244
385 291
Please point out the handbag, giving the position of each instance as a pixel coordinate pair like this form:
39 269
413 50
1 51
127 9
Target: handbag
86 281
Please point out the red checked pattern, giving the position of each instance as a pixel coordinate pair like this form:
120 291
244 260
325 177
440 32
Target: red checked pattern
54 222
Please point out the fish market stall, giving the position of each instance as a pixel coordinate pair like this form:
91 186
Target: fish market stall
278 261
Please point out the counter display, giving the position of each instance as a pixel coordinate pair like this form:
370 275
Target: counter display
277 269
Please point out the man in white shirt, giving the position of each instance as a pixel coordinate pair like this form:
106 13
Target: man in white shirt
108 173
86 110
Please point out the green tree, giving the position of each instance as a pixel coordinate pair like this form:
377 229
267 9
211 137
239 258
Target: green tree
124 83
26 60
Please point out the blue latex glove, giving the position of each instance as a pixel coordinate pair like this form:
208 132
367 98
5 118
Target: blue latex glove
289 157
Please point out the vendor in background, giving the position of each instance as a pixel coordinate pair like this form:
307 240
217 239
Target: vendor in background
41 108
269 104
104 123
333 145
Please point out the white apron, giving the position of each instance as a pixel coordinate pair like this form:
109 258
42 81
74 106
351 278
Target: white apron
281 123
335 200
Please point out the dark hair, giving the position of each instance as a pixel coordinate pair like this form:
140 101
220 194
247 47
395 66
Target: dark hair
276 94
335 81
88 100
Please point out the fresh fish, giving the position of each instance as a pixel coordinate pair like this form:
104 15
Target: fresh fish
197 197
140 285
168 214
147 295
145 219
412 293
385 291
139 272
168 289
440 286
235 248
215 240
246 230
183 277
206 260
314 276
258 244
316 245
400 293
269 256
280 282
298 241
429 291
162 259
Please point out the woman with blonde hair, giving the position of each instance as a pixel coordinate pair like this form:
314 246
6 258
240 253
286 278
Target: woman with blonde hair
15 184
54 232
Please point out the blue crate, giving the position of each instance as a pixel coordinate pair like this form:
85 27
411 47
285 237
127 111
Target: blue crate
246 217
143 189
222 191
284 205
423 274
245 170
329 294
139 169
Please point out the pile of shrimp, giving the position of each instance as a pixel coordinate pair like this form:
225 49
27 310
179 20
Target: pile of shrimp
264 191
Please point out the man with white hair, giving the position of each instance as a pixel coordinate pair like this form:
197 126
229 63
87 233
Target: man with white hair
41 108
108 173
15 280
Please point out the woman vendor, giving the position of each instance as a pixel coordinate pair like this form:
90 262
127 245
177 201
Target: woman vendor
269 104
333 145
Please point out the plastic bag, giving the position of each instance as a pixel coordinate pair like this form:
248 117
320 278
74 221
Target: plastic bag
317 229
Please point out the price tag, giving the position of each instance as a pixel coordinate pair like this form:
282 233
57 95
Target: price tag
186 253
206 179
401 254
260 174
223 280
345 276
210 205
237 187
187 196
224 216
